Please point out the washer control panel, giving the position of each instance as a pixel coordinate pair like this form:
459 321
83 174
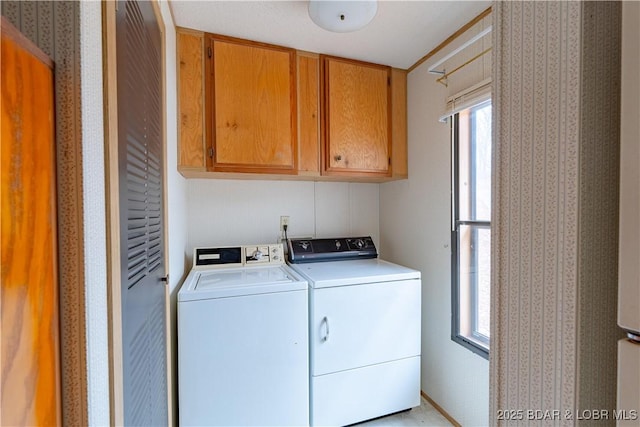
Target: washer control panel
238 256
264 254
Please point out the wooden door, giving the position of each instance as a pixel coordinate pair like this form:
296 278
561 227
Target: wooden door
141 208
252 107
356 117
29 298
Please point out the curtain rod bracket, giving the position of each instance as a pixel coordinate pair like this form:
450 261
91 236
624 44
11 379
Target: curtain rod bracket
443 80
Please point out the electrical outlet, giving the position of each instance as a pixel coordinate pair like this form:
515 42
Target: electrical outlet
284 220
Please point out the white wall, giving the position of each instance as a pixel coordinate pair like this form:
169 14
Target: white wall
233 212
176 184
415 218
176 200
94 214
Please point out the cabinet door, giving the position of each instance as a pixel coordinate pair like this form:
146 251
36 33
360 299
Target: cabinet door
356 125
361 325
252 107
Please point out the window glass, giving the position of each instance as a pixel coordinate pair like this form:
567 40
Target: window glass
471 234
481 166
474 171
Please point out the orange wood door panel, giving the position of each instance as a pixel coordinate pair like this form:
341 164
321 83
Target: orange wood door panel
254 107
29 299
357 116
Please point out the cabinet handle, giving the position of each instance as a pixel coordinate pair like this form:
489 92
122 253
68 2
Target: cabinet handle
337 158
325 319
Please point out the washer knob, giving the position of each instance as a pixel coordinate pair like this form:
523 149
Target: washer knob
257 255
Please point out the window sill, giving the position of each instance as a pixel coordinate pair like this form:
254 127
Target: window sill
471 345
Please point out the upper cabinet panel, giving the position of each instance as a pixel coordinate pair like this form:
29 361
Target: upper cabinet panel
251 91
356 117
191 99
399 155
308 114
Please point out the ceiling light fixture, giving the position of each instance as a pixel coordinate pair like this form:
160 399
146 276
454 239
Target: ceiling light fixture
342 16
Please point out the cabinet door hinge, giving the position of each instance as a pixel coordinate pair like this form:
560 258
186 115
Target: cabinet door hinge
211 152
209 52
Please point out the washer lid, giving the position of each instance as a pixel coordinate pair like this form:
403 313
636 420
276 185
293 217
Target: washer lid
240 281
354 272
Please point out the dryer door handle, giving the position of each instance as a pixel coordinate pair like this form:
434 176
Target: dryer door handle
325 320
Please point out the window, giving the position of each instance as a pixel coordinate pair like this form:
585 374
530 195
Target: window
471 228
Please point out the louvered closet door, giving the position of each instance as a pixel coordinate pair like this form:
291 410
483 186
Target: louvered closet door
140 137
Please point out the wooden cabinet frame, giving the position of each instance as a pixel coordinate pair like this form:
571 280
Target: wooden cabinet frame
191 99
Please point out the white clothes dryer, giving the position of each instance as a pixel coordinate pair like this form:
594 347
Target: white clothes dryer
364 330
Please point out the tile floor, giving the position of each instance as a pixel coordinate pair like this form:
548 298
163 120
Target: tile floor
424 415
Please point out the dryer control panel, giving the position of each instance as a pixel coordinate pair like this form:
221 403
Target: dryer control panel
339 249
238 256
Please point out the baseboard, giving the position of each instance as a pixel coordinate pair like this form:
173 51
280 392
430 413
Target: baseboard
439 409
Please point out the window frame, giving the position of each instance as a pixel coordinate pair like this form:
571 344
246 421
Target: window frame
479 344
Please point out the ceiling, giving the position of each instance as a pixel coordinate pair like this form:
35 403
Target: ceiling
400 34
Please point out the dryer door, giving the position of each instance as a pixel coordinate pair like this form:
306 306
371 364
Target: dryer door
360 325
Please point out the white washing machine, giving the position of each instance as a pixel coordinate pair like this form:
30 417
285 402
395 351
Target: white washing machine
243 355
364 330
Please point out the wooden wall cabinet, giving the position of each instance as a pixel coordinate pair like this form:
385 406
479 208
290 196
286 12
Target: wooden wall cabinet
356 117
253 110
334 149
236 106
